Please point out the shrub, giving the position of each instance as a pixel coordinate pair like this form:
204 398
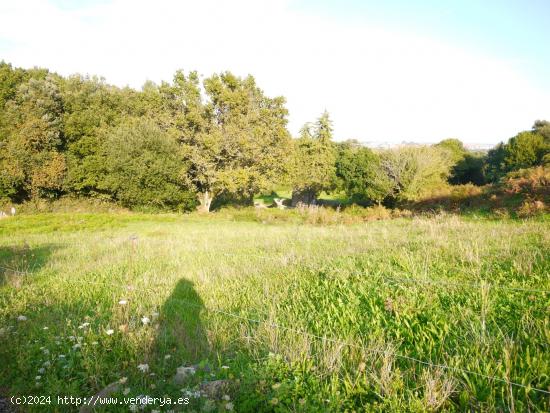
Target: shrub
144 168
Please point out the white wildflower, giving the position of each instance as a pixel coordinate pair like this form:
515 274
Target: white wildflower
229 406
38 378
47 364
76 346
145 320
166 357
226 397
144 368
45 328
123 302
225 367
41 370
22 318
46 351
62 356
109 331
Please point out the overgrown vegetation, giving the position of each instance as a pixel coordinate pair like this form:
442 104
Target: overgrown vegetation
352 285
189 143
313 317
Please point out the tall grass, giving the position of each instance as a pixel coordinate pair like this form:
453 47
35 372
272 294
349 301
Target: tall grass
295 317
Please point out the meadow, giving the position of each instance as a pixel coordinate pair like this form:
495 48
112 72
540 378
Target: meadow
425 313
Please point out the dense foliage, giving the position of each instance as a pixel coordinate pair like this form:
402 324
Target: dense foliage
194 142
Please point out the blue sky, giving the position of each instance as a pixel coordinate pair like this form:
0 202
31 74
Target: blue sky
387 71
515 30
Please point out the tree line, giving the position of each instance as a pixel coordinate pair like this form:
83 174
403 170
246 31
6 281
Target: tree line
200 142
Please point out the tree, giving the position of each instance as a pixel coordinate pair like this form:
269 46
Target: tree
144 167
236 142
495 166
32 160
455 147
415 170
359 170
313 162
91 107
525 150
467 167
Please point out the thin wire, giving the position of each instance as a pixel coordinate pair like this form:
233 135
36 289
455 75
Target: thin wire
387 278
337 341
456 284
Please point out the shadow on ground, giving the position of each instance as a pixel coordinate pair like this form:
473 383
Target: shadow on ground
181 331
19 261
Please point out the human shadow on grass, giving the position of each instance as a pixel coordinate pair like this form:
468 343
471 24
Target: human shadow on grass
180 330
20 261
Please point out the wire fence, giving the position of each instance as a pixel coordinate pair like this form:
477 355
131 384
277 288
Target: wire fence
409 280
342 342
335 340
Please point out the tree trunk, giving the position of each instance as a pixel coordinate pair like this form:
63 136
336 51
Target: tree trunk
306 197
205 200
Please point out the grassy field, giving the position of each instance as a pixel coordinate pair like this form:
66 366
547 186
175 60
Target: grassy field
409 314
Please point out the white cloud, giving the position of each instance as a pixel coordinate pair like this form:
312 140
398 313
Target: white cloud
378 85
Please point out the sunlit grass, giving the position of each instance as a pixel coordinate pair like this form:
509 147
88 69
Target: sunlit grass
111 292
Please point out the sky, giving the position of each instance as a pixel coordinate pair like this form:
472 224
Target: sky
386 71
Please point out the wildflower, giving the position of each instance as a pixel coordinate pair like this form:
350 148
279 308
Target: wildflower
144 368
41 370
62 356
38 378
182 372
83 325
22 318
145 320
229 406
94 343
47 364
226 397
225 367
274 401
276 386
46 351
58 342
123 380
166 357
109 331
45 328
76 346
123 302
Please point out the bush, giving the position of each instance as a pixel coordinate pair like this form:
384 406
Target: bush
144 168
529 180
